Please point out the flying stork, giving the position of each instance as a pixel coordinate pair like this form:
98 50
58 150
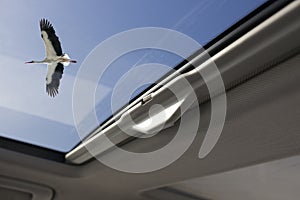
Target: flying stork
55 58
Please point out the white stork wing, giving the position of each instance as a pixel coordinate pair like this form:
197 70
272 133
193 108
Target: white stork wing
54 74
51 41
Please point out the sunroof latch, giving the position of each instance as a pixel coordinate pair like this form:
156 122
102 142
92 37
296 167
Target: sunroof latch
147 98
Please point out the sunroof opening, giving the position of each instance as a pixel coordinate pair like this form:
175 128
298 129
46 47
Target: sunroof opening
29 115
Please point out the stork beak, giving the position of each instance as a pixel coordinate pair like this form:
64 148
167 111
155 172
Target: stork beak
28 62
73 61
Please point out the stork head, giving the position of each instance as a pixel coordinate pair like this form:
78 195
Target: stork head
29 62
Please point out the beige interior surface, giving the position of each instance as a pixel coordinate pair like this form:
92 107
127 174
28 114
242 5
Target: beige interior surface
7 193
269 181
262 125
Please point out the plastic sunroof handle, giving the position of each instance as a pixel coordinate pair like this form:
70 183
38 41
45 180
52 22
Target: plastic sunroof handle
160 109
157 111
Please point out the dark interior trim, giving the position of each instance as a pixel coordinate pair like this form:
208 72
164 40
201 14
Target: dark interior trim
31 150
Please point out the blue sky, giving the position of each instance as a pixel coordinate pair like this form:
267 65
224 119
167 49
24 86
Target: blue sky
27 113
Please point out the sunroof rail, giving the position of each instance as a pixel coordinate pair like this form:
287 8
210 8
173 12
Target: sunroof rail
213 47
278 32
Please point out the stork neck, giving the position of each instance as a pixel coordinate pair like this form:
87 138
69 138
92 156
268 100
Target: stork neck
40 61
